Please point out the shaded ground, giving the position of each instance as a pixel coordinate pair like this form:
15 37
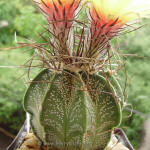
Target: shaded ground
4 141
146 138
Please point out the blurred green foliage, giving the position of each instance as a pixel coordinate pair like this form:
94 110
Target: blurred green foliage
25 20
138 80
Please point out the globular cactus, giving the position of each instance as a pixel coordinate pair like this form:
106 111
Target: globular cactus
72 111
75 102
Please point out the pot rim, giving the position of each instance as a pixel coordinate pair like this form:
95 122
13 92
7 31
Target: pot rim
16 143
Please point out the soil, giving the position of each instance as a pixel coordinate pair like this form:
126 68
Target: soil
30 143
4 141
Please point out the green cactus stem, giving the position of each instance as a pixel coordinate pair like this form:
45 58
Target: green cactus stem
72 111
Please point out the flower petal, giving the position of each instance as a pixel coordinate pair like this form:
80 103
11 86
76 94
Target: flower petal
125 10
60 13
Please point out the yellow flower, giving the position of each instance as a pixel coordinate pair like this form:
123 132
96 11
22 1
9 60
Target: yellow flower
108 17
124 10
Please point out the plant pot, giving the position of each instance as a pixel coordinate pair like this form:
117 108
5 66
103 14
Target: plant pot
121 136
17 142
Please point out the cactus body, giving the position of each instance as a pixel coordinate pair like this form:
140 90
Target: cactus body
72 111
